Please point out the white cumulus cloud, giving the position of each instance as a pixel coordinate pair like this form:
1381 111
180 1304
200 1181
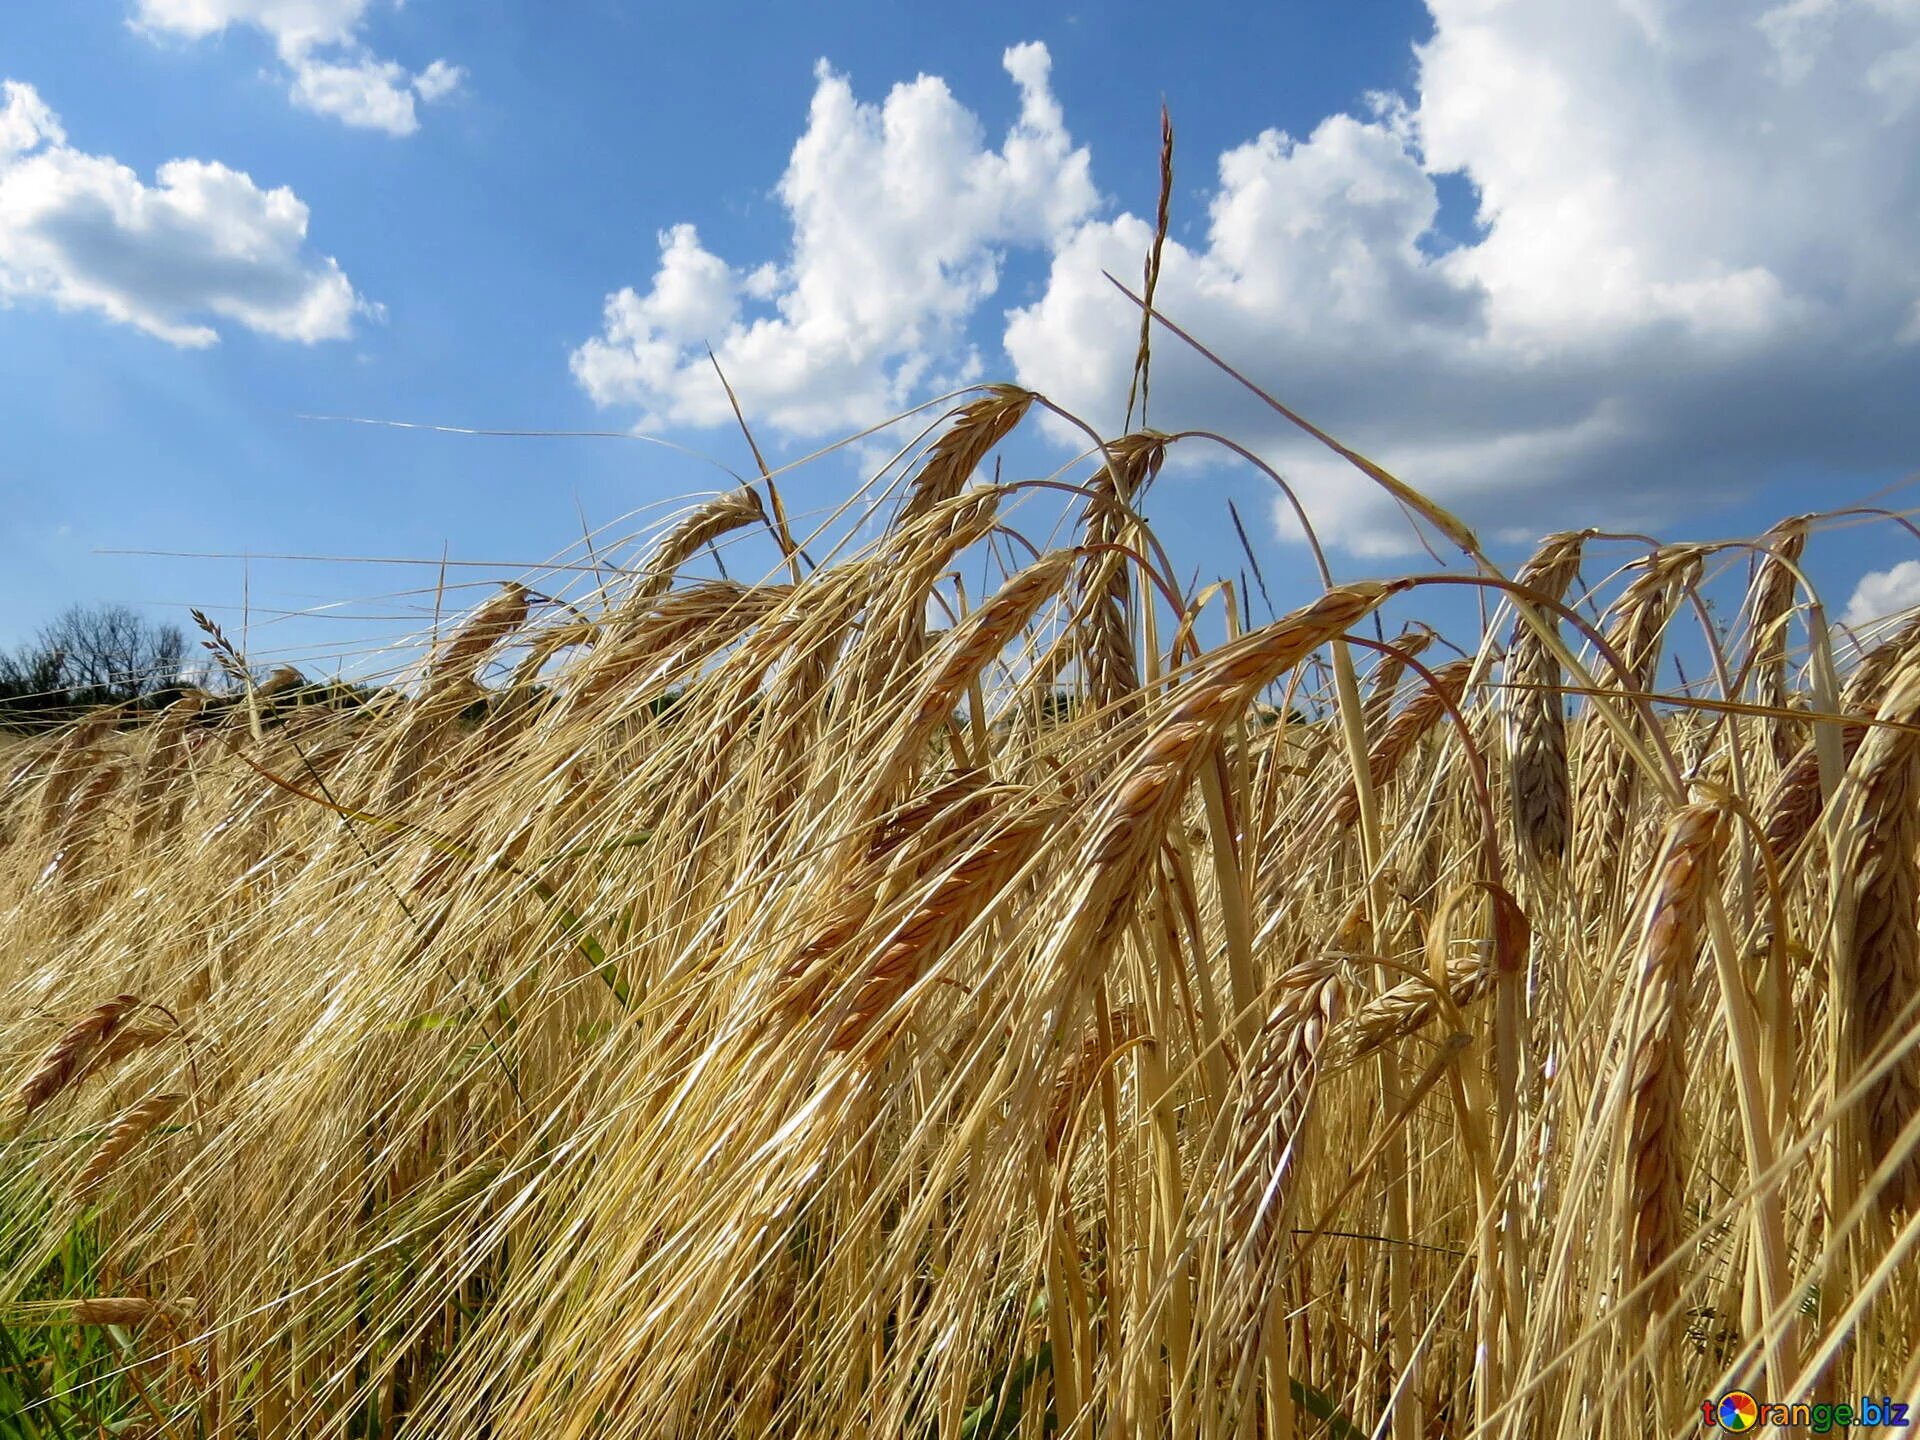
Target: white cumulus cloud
1689 264
1695 265
1881 593
330 69
901 212
202 242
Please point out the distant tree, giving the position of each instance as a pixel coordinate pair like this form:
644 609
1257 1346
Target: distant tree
91 655
31 690
112 654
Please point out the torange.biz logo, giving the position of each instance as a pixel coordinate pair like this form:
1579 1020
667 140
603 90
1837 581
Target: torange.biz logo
1737 1410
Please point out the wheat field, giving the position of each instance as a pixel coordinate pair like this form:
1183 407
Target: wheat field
847 1002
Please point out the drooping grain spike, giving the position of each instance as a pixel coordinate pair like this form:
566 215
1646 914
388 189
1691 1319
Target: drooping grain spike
1686 872
735 510
978 427
1384 684
1396 742
1794 804
1608 775
70 1053
122 1136
461 655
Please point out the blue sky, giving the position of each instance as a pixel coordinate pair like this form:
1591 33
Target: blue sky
1636 264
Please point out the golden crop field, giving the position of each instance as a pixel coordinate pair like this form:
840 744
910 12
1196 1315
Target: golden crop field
841 1004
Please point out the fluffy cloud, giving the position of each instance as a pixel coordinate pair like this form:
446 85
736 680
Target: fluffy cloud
202 241
1696 264
1693 266
900 214
330 70
26 121
1881 593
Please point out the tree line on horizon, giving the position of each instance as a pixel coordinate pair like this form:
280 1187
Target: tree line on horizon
89 656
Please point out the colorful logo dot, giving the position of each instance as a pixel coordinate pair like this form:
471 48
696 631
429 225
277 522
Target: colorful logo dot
1738 1411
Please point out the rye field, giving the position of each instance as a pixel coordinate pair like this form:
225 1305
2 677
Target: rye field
836 998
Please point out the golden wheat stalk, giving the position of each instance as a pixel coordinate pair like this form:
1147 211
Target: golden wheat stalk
126 1132
1410 1006
705 524
1144 794
70 1056
646 652
917 837
1536 719
965 652
1108 646
1769 608
1607 770
157 796
1880 925
977 428
1271 1118
457 659
1076 1076
73 757
127 1311
1794 805
1396 742
1686 872
1384 684
966 891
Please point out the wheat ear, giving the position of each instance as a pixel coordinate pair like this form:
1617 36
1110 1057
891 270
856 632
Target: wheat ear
68 1058
1396 742
1540 790
460 657
1880 929
1794 804
706 523
125 1133
1668 948
976 429
1769 609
